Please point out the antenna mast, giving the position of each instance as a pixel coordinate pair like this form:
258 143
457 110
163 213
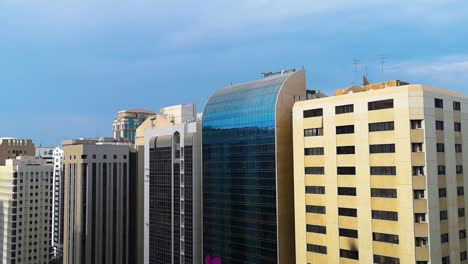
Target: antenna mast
382 59
356 63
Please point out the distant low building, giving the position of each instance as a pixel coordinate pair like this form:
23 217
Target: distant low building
127 121
14 147
46 153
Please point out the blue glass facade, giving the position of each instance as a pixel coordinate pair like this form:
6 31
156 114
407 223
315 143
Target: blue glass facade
239 173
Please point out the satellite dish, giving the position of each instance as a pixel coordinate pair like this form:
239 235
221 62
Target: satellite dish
365 81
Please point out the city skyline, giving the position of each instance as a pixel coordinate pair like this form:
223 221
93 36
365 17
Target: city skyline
68 65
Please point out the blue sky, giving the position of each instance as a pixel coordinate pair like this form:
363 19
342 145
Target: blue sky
66 67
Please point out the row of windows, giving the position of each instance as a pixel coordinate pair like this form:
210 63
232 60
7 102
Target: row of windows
374 170
351 191
346 150
349 108
351 212
349 129
444 214
439 103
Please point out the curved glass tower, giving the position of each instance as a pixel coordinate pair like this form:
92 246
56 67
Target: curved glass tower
248 214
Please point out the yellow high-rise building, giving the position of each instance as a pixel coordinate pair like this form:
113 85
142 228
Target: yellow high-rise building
378 176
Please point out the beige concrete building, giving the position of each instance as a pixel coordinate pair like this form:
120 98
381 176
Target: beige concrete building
25 206
100 201
379 176
13 147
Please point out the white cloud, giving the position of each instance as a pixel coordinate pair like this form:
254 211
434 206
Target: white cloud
450 72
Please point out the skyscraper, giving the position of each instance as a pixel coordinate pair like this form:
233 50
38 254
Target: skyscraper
58 200
379 176
173 188
127 121
248 214
25 198
100 201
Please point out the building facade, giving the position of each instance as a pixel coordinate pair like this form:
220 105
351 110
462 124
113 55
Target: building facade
25 198
14 147
379 176
100 202
127 121
58 202
173 226
248 214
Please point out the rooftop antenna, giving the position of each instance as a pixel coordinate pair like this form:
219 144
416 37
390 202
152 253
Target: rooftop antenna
382 59
356 63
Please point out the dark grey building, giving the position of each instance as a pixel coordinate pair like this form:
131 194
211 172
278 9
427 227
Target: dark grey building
173 193
100 202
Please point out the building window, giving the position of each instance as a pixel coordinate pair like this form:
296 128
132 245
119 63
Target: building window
351 212
315 170
461 212
442 192
384 170
345 150
462 234
317 249
378 259
381 126
313 151
342 109
384 215
349 191
457 126
458 148
441 170
345 129
460 191
346 170
443 215
315 209
459 169
416 124
315 189
350 254
348 233
440 147
418 171
378 105
383 193
463 256
382 148
421 241
316 229
313 112
419 194
444 238
446 260
313 132
439 103
416 147
456 106
420 218
387 238
439 125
